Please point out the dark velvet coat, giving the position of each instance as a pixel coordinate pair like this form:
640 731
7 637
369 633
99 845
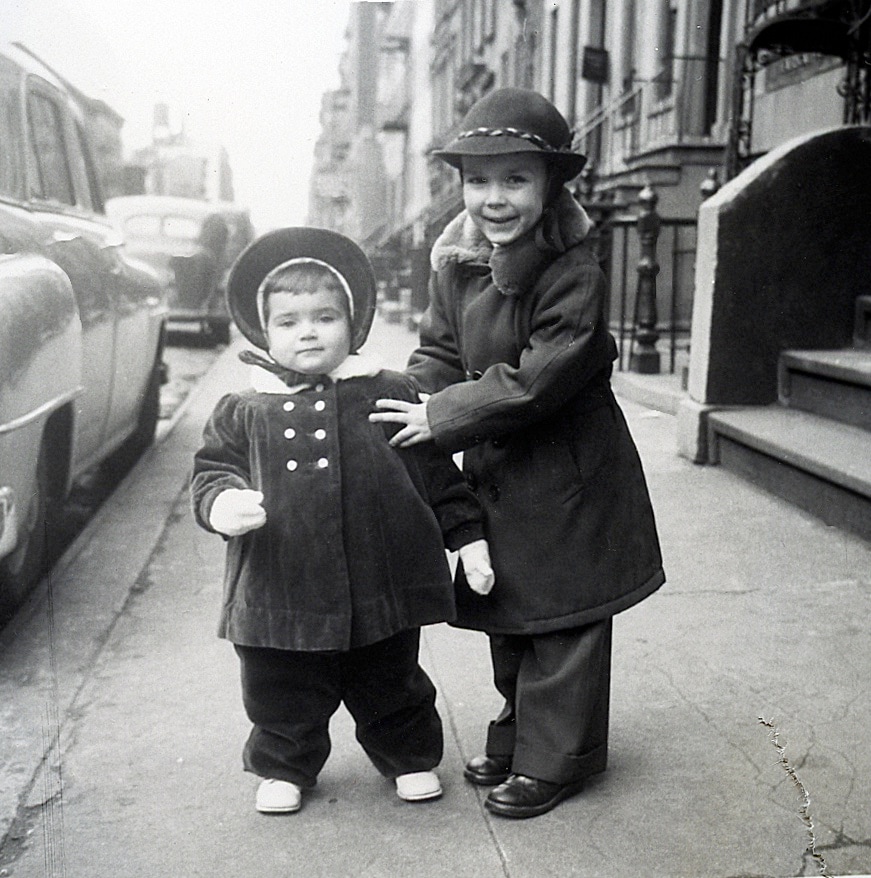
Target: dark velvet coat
515 349
352 550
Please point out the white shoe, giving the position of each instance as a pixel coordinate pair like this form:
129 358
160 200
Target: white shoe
419 786
278 797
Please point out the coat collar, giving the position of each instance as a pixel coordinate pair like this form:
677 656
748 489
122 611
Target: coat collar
514 268
355 366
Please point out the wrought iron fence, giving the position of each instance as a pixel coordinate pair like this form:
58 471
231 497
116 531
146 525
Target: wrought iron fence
676 252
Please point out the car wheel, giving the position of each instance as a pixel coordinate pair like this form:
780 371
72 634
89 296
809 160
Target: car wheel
218 330
120 462
21 570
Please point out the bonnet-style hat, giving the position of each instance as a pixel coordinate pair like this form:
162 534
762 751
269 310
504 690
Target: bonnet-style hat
510 120
282 247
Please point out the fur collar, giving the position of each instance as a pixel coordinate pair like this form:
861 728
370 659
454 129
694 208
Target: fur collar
564 225
355 366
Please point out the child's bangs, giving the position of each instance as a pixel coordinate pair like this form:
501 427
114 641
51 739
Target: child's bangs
305 277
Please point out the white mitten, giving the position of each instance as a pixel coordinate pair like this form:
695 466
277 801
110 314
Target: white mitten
237 511
476 565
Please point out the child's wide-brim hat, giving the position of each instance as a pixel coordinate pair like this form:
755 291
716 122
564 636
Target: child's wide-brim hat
279 246
511 120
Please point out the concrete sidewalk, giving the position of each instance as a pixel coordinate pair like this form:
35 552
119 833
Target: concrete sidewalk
122 724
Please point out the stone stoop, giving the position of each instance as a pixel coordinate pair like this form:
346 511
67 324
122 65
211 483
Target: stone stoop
813 447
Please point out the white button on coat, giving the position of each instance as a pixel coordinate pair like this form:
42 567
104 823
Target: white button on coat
289 433
320 405
291 465
320 434
323 463
289 406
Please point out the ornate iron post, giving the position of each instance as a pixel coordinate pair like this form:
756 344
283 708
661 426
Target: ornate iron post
645 356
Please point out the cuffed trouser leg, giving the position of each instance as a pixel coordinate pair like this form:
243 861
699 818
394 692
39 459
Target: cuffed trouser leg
289 697
392 701
557 694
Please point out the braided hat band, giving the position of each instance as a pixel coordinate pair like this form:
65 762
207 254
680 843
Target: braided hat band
540 142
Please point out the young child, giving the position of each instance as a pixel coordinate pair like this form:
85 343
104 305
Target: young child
335 553
516 354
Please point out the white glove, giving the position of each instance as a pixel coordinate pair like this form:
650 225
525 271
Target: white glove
237 511
476 565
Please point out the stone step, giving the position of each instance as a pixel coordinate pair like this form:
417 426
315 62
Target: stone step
820 465
835 384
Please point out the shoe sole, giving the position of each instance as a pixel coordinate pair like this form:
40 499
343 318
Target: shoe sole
485 780
523 811
424 797
278 810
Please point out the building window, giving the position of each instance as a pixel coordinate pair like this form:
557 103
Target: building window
489 19
628 68
668 31
554 42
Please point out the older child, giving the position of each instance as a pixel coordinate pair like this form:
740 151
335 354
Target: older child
516 353
335 553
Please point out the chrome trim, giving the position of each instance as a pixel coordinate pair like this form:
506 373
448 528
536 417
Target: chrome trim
45 409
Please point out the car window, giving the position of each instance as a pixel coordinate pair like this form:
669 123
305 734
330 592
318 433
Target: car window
53 180
88 190
11 172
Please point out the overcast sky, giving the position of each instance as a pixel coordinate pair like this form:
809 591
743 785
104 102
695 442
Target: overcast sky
249 73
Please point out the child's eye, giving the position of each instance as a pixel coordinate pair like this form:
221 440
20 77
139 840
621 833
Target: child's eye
476 181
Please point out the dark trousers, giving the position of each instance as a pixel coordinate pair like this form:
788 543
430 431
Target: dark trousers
556 687
290 697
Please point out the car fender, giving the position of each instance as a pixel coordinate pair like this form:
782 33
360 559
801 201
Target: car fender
40 372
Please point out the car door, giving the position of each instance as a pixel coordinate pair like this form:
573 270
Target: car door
71 241
137 300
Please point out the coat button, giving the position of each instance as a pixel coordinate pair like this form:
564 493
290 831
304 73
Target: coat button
291 465
319 388
320 434
493 492
320 405
289 433
498 442
323 463
472 481
289 405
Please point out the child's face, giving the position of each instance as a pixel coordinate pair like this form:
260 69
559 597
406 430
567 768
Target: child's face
308 332
504 194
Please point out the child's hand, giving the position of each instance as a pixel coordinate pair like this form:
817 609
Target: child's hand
476 565
411 415
235 512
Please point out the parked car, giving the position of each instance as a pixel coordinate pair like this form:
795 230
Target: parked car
82 326
192 244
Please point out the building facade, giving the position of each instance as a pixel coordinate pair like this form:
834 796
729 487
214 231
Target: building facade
677 95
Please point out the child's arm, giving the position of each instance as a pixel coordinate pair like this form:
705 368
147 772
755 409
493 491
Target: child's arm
457 511
221 491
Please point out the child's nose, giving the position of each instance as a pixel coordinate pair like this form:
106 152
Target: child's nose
495 194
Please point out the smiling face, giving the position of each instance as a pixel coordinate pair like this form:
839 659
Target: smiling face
309 332
505 194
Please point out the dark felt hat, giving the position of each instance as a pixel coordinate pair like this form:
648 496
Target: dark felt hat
282 245
510 120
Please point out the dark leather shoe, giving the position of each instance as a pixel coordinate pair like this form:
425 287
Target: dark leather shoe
487 771
522 796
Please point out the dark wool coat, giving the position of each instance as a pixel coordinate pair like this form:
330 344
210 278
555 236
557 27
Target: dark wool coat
352 550
515 348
